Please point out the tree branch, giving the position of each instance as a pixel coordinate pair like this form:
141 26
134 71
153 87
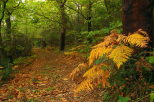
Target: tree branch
13 8
48 18
76 11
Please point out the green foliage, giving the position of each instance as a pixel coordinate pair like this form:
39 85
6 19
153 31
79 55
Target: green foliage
152 97
150 59
106 97
24 60
19 60
6 72
123 99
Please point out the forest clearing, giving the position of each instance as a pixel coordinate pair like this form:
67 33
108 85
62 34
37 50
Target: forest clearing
76 50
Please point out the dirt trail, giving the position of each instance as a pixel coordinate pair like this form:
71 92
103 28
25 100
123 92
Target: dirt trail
45 80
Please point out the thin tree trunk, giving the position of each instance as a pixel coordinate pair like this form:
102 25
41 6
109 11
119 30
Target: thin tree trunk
2 7
78 19
89 24
89 16
63 25
0 34
8 26
138 14
107 5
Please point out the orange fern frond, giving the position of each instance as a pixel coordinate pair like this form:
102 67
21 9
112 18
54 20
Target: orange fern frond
137 40
107 41
95 71
105 76
77 70
142 32
85 85
120 55
93 79
121 38
98 52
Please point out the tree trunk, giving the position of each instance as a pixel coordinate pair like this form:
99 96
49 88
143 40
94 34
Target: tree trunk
78 19
0 34
63 25
89 16
2 52
2 7
107 5
138 14
89 24
8 26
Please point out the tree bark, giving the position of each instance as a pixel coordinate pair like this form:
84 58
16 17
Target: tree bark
63 24
89 16
78 18
8 25
2 52
89 24
0 33
3 7
138 14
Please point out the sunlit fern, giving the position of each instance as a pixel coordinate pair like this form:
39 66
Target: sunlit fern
116 47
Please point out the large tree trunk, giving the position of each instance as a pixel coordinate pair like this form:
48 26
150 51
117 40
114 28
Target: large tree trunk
138 14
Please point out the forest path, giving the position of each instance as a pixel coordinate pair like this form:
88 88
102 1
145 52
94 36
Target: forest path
45 80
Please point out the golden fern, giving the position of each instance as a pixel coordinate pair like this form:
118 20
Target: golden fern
90 83
91 76
85 85
121 54
105 76
95 71
78 69
138 40
96 53
107 41
116 48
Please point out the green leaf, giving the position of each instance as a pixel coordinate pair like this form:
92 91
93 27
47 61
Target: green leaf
123 99
151 59
98 61
152 97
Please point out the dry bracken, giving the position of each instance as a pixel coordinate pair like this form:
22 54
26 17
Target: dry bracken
116 48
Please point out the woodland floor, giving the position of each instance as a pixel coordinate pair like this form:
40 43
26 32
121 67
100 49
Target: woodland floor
46 79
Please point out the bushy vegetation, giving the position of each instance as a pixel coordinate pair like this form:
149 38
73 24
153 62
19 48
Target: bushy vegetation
117 65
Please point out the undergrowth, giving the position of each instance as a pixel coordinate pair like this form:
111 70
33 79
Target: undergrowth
119 64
